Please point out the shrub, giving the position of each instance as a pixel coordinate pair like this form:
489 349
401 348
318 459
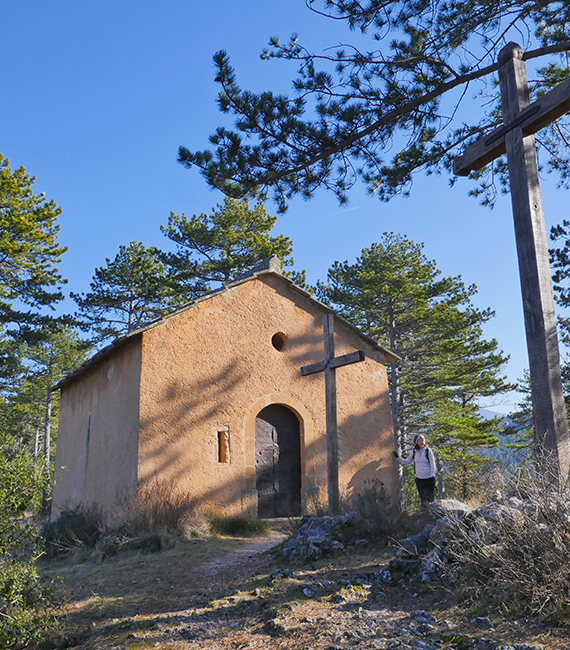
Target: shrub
123 541
24 598
72 530
382 513
238 526
159 505
524 566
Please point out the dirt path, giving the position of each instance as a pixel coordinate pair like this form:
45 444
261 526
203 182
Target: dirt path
215 595
235 561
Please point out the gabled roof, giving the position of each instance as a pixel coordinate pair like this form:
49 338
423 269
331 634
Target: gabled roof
268 267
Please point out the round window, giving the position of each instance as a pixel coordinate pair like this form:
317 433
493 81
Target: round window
279 341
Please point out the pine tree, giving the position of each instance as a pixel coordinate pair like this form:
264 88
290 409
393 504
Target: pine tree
459 434
397 296
30 281
560 265
380 113
28 405
213 249
127 293
30 285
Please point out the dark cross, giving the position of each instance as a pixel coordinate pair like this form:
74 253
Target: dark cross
516 138
329 366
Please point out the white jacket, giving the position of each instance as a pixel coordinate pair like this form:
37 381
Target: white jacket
424 462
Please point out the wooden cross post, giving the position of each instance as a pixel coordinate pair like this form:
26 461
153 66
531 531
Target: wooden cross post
329 366
516 138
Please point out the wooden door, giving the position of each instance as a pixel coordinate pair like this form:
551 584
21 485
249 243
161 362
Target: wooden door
277 462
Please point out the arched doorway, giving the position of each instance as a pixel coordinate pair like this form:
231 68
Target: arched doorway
277 462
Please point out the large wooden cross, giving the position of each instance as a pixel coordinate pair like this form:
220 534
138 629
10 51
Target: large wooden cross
516 138
329 366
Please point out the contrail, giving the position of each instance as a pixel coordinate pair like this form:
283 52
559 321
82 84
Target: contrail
334 214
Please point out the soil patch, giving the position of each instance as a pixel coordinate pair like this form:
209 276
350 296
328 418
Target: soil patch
232 594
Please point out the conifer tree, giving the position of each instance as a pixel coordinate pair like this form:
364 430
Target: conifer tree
560 265
28 405
128 292
408 94
213 249
30 281
399 297
30 285
460 434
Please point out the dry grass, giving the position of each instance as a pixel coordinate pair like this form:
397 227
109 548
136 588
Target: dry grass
213 595
160 505
384 517
135 581
523 568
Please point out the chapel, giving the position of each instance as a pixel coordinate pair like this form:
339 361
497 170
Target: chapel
210 400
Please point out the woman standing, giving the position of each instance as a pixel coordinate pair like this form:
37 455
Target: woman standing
424 466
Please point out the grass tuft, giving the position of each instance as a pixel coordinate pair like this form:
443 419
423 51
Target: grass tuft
238 526
524 568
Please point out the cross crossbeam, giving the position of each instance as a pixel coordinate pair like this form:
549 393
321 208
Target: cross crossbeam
541 113
335 362
329 366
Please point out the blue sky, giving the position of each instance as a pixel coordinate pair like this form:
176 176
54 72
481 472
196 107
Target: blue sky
97 97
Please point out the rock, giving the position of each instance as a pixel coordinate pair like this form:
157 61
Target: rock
384 576
483 622
449 507
280 574
447 625
344 583
277 627
443 530
484 530
420 616
360 579
321 536
431 566
499 514
415 544
404 567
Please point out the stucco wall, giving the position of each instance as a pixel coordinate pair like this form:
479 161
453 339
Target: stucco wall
96 458
213 367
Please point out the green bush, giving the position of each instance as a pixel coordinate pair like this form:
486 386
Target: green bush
24 598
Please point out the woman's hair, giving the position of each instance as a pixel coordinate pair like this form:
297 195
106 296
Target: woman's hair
416 437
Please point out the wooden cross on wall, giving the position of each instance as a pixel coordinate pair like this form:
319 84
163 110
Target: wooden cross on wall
329 366
516 138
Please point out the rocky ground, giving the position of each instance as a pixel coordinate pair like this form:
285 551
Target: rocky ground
235 594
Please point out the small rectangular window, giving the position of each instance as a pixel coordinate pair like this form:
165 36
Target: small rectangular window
223 444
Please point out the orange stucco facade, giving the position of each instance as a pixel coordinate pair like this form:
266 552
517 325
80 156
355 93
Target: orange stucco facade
157 406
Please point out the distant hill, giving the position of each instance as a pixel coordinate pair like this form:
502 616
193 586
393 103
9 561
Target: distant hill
507 456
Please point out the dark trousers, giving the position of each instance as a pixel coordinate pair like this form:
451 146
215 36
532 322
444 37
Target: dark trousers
426 489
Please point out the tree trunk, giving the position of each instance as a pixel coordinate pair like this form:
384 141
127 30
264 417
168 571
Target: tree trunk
36 445
395 405
47 443
440 481
47 430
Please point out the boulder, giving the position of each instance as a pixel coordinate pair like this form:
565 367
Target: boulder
321 536
415 544
448 508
